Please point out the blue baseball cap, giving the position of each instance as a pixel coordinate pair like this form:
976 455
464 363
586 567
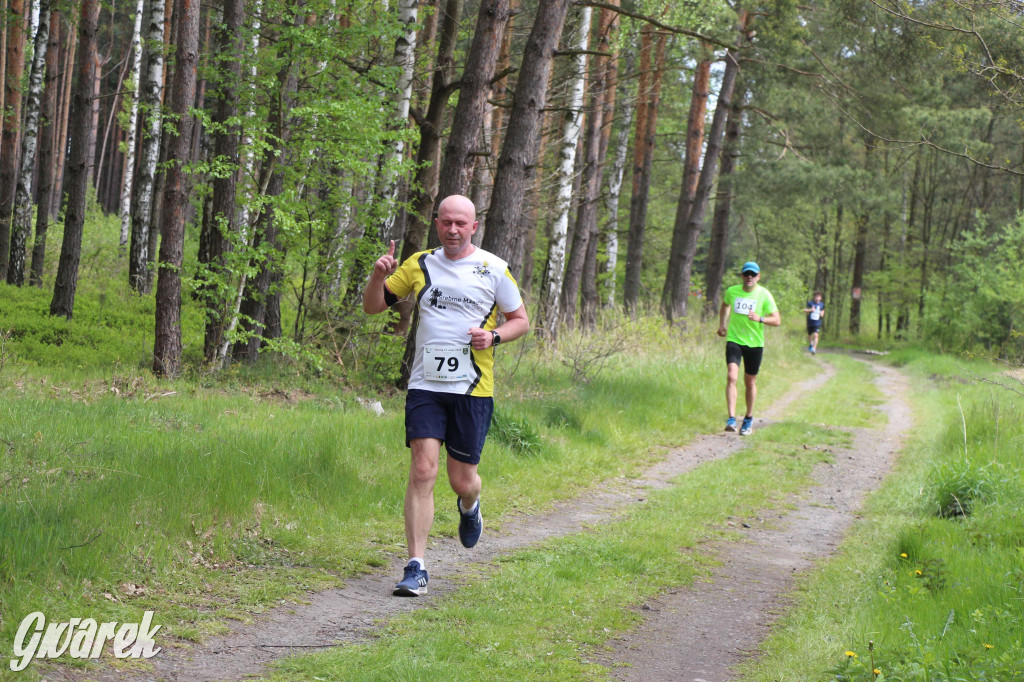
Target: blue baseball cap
750 266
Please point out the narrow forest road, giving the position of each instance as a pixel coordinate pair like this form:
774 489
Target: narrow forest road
698 634
742 596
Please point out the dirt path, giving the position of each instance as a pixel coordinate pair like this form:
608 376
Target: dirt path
698 634
351 612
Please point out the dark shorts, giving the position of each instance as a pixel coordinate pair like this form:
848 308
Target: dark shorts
459 421
751 357
813 327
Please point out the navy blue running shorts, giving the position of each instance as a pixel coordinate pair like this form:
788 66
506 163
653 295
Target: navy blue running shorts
751 356
459 421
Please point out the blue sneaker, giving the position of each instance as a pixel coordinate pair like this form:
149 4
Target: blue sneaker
747 426
730 424
470 525
811 348
414 583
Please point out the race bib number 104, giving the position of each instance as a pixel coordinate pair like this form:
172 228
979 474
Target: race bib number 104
447 363
744 306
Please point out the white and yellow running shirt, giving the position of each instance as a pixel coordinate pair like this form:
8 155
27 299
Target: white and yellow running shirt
454 295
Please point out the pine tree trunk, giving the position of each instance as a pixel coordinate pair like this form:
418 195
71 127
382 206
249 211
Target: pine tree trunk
646 126
474 86
615 176
125 205
214 244
167 343
66 284
519 152
691 173
46 145
428 154
150 123
694 221
64 121
22 227
572 125
715 267
15 56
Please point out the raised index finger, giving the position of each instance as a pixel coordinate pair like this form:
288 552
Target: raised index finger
391 249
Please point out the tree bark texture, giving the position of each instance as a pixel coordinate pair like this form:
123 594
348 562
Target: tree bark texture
648 94
519 152
230 47
694 221
150 124
22 227
15 67
572 125
714 270
691 173
63 302
125 203
167 343
47 141
595 148
474 86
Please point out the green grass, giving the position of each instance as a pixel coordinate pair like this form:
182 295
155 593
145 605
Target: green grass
915 593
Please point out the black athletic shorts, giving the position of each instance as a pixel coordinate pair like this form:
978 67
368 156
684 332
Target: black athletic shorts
813 327
459 421
751 356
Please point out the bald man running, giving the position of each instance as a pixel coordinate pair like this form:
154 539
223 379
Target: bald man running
459 291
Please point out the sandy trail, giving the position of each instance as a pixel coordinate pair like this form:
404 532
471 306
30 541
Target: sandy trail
742 606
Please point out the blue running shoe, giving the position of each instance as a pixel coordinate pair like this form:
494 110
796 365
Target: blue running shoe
414 583
470 525
747 426
730 424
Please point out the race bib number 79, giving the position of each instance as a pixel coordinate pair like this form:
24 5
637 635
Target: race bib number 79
744 306
447 363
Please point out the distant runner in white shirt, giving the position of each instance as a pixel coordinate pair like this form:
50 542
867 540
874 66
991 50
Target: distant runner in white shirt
815 314
459 290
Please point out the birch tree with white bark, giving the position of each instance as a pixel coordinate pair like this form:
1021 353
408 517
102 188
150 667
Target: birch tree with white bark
571 127
22 225
142 196
133 126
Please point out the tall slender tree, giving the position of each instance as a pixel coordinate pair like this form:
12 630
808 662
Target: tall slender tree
691 173
15 67
22 227
47 142
572 125
229 46
649 95
519 152
150 111
131 135
167 340
66 284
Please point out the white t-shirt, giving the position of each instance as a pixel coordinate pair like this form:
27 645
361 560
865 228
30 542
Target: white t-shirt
454 295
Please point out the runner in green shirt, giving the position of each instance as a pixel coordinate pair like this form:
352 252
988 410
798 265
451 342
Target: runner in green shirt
744 338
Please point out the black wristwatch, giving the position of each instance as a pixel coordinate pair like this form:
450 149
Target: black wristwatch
495 338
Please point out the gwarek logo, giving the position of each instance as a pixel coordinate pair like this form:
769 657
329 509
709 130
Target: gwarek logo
82 638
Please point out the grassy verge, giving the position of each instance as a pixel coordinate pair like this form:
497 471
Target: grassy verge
929 584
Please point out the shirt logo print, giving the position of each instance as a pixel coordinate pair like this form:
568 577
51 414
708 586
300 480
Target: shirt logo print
435 295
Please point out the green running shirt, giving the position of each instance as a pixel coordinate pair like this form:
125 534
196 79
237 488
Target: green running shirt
740 302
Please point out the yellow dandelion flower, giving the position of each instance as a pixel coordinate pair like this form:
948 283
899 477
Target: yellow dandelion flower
876 671
850 654
904 555
988 646
918 573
